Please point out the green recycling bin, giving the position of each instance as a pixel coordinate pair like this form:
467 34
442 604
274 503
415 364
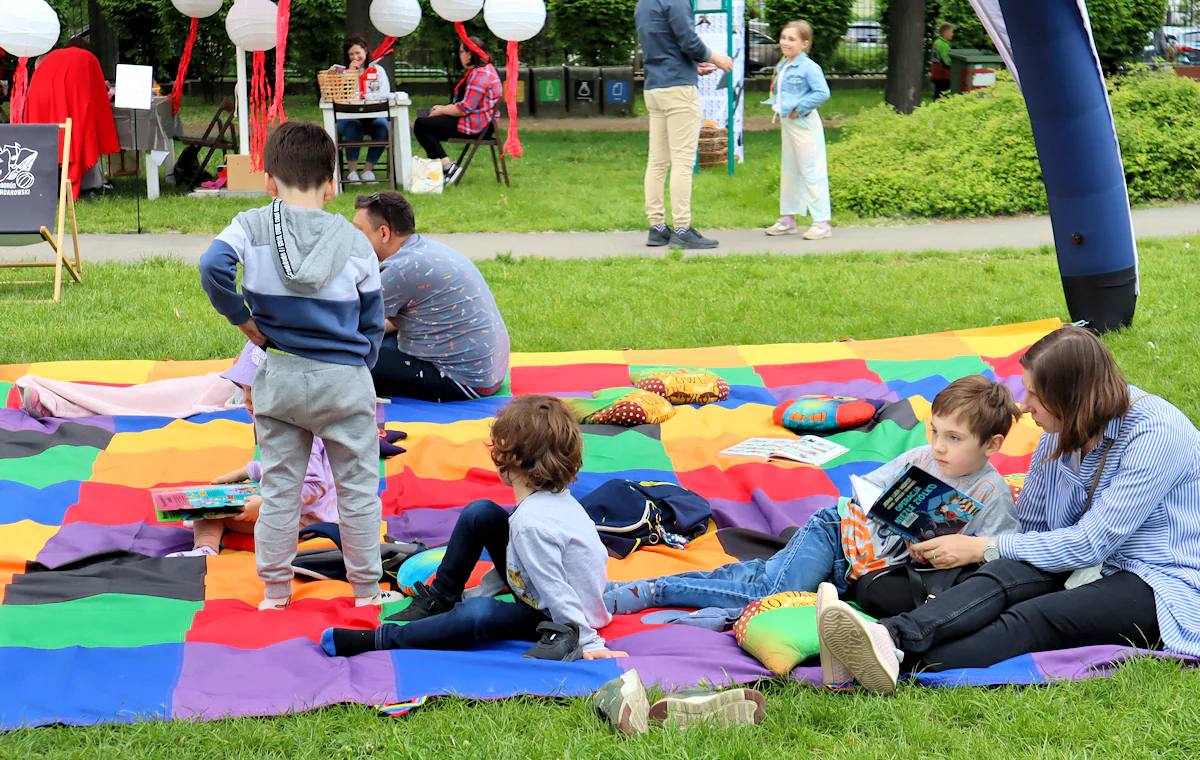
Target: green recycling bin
549 95
583 91
616 88
523 90
972 69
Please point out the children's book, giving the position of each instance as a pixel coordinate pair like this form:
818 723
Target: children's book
917 505
201 502
808 449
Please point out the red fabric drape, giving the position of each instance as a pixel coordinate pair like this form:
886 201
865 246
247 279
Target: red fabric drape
184 60
69 83
283 19
260 97
466 41
512 144
20 88
384 48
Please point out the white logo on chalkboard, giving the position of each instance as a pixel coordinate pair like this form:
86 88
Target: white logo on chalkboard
16 169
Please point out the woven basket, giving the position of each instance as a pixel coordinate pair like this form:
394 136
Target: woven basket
338 86
714 147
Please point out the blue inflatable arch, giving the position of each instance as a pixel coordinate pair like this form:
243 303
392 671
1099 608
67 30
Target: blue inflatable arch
1048 47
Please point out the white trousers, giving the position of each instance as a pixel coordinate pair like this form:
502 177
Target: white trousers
803 174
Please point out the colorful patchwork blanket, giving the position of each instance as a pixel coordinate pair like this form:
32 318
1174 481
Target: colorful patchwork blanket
97 626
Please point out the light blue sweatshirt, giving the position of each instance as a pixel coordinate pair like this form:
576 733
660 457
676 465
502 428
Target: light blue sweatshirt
798 85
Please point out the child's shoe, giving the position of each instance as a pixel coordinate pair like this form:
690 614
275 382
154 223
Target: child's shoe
425 604
818 231
622 703
785 226
558 642
274 604
833 670
866 648
199 551
627 598
367 176
723 707
347 642
379 598
353 177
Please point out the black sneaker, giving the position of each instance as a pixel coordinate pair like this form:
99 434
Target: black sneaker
558 642
659 235
424 604
690 239
453 174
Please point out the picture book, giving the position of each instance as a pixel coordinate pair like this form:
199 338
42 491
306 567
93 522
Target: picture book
201 502
917 505
808 449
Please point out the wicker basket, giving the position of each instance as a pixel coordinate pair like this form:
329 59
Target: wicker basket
338 86
714 147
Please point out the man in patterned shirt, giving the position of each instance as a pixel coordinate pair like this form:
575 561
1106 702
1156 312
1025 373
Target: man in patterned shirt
445 339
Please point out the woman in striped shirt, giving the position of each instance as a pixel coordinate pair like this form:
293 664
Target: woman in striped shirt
1110 548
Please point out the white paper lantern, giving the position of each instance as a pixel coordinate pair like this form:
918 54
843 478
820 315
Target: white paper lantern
197 8
251 24
515 19
28 28
396 18
456 10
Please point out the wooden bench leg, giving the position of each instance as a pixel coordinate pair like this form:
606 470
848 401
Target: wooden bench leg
504 168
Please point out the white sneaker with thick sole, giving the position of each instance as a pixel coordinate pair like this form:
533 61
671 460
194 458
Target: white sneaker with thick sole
724 708
352 177
622 703
818 231
379 598
865 648
368 176
833 670
783 228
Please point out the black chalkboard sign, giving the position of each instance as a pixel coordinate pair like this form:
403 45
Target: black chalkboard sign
29 183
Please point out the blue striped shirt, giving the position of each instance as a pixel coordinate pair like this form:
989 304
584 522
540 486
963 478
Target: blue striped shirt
1145 517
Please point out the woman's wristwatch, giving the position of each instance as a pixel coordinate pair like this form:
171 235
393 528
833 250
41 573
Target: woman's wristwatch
991 552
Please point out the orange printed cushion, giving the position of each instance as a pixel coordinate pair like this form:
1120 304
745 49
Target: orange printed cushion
683 385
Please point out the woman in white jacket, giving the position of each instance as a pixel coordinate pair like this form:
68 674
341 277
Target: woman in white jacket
372 85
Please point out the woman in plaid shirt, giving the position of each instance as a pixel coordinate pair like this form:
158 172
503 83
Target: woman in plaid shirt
473 111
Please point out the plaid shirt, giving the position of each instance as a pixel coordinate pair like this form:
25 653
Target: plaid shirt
478 104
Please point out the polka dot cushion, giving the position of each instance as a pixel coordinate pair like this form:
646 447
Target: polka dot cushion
683 385
637 407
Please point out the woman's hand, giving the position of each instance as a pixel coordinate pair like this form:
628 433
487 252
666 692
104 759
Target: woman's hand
237 476
945 552
437 111
250 511
603 654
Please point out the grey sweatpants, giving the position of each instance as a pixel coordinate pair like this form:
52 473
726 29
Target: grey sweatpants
294 399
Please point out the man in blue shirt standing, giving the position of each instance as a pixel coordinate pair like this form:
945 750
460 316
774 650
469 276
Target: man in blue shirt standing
675 56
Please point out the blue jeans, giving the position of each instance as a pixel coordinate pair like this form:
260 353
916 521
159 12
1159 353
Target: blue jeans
812 556
482 525
355 129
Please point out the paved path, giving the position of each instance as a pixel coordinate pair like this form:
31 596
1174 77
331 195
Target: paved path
959 236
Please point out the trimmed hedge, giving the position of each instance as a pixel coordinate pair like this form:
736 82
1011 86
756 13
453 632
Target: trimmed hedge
973 155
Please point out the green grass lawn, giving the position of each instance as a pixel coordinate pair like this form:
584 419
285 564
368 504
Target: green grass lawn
156 310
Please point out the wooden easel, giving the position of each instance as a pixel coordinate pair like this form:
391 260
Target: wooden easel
66 200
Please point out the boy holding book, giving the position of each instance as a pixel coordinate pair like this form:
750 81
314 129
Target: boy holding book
970 419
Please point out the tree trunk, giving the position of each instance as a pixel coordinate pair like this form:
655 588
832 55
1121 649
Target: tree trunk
103 40
906 54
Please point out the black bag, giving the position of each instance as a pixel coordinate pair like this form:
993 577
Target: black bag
630 513
187 168
903 588
329 565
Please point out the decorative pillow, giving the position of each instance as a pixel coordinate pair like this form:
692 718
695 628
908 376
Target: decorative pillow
419 567
826 414
685 385
780 630
622 406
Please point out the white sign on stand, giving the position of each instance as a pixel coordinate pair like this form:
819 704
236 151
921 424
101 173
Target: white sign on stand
135 87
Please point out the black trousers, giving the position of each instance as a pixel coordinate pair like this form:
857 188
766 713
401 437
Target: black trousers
431 130
1007 608
941 88
399 375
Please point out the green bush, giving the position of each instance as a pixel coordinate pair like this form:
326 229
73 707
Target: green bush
829 19
600 32
973 155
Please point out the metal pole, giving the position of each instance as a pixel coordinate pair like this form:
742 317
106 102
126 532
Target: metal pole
243 105
731 91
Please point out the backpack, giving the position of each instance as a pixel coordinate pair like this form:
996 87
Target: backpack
329 565
631 513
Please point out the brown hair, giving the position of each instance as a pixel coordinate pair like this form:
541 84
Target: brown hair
351 41
476 59
300 154
388 208
1076 378
803 29
538 438
985 406
944 26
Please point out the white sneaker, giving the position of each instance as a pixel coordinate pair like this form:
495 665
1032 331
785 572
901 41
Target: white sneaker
368 176
380 598
866 648
274 604
819 230
782 228
352 177
833 670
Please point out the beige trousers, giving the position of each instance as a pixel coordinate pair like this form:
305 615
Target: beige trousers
674 135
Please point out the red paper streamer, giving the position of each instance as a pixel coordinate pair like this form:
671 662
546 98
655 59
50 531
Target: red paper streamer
260 96
466 41
20 86
184 60
282 20
512 144
384 48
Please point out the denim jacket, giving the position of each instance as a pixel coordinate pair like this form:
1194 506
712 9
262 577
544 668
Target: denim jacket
798 86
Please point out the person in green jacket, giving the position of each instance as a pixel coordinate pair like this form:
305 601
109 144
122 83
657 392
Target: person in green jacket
939 69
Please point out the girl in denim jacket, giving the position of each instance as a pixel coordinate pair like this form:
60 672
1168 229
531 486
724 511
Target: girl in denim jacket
797 88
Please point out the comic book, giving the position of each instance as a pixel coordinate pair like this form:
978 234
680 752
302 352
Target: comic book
201 502
918 506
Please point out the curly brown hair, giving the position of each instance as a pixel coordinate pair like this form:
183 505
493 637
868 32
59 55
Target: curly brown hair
537 438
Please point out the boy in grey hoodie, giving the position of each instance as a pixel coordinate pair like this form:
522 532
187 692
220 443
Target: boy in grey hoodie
311 282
